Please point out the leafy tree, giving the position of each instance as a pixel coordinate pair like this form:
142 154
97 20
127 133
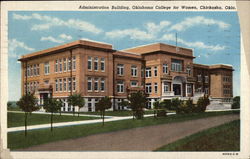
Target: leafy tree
167 104
103 104
124 103
156 106
28 103
176 104
76 100
236 102
137 102
52 105
202 104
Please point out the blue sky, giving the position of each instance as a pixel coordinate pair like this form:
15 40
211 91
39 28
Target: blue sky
214 36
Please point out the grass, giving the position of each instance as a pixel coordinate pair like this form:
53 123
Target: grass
17 119
115 113
225 137
17 140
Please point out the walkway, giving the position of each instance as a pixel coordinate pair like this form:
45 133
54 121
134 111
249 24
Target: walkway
137 139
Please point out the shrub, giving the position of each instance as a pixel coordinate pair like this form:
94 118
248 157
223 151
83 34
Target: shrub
161 113
236 102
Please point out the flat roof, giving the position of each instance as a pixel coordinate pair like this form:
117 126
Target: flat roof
214 66
87 43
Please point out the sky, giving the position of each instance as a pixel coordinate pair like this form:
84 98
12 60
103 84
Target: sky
214 36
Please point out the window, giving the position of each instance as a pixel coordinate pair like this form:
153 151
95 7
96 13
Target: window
102 64
89 63
74 83
165 87
102 88
206 90
69 84
176 65
120 86
46 68
74 63
31 86
189 89
199 90
156 87
35 70
134 83
38 69
60 65
96 64
89 104
189 71
142 72
56 66
56 86
155 71
31 70
148 72
69 64
148 88
96 85
199 78
206 79
28 71
60 85
165 68
64 84
134 71
120 69
28 87
64 64
89 84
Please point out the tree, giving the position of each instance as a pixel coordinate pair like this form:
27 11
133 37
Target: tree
103 104
156 106
52 105
137 102
124 103
76 100
28 103
9 105
236 102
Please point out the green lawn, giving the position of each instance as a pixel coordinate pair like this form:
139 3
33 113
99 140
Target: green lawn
17 140
116 113
17 119
225 137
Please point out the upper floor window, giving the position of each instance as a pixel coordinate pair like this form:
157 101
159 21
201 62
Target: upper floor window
189 71
120 86
165 68
176 65
206 79
69 84
148 72
69 64
102 64
31 70
102 88
38 69
156 87
89 84
165 87
60 65
120 69
96 64
64 64
199 78
56 85
46 68
96 84
148 87
34 70
89 63
74 83
74 62
28 71
64 84
56 66
134 71
60 85
155 71
134 83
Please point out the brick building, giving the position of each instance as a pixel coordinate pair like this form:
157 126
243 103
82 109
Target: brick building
95 70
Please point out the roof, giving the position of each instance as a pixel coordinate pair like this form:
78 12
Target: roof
156 47
215 66
127 54
71 45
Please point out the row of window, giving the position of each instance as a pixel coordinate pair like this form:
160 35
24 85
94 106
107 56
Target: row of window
227 91
199 78
97 83
120 70
120 85
227 78
199 90
96 65
65 64
33 70
65 84
31 86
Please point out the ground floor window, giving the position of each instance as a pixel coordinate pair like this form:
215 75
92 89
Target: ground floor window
89 105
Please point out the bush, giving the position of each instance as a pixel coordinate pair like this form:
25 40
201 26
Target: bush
236 102
161 113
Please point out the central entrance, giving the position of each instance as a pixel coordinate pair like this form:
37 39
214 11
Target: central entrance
177 89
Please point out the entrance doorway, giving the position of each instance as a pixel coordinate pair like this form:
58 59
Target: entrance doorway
177 89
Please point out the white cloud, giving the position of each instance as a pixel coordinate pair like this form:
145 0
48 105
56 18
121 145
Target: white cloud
14 44
154 28
60 39
50 21
135 34
197 44
198 20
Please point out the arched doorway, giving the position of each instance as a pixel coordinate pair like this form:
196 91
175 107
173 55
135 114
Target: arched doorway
179 85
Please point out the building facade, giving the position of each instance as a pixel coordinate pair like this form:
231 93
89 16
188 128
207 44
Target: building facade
95 70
